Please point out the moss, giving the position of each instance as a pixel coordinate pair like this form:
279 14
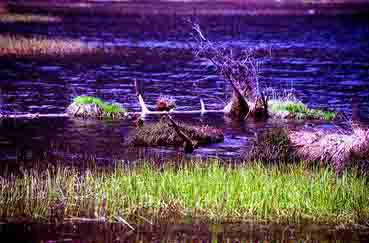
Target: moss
88 106
298 110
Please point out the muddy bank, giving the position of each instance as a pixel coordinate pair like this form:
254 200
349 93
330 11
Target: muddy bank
104 232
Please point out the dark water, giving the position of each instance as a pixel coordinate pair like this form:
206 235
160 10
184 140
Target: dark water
323 59
100 232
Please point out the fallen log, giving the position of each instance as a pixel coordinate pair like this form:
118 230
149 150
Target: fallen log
189 145
32 115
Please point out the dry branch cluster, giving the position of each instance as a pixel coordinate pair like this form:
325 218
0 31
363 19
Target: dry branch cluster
240 69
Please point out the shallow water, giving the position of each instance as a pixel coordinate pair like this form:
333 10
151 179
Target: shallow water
323 59
196 232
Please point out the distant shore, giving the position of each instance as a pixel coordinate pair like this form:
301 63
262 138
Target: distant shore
189 7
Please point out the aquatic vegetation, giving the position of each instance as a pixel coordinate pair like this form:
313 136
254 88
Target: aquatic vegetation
200 189
88 106
38 46
27 18
162 133
272 146
341 151
338 151
298 110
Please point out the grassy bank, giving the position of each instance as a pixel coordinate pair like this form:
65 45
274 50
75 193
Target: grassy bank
204 189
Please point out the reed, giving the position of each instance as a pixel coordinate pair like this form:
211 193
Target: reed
39 46
200 189
28 18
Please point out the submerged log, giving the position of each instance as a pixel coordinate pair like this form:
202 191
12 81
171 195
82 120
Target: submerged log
189 145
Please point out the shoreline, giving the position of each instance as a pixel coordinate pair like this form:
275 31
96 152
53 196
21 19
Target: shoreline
201 8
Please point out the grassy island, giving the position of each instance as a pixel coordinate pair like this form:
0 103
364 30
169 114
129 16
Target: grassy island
298 110
201 189
88 106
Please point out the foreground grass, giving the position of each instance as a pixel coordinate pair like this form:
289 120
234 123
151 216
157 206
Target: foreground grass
36 46
298 110
212 191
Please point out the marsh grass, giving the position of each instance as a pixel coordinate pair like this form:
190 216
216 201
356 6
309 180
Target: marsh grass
201 189
40 46
273 146
92 106
298 110
162 133
28 18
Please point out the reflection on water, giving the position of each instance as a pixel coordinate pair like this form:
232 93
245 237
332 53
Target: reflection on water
197 232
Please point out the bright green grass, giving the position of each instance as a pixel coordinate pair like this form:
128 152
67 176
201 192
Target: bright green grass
107 108
300 111
207 190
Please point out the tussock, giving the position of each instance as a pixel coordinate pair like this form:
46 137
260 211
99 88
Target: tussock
91 107
162 134
272 146
339 150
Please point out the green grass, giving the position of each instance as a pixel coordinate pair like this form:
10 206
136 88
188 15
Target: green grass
203 189
300 111
109 110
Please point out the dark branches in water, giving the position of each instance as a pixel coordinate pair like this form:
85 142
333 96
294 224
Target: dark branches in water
240 69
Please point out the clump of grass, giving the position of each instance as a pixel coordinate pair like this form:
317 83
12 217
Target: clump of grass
298 110
88 106
38 46
202 189
163 134
273 146
28 18
341 151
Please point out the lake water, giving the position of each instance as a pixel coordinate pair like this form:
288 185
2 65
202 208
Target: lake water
323 59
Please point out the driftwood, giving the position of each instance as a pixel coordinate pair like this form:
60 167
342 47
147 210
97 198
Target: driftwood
32 115
188 145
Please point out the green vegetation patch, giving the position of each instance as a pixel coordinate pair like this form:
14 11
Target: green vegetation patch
298 110
89 106
203 189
